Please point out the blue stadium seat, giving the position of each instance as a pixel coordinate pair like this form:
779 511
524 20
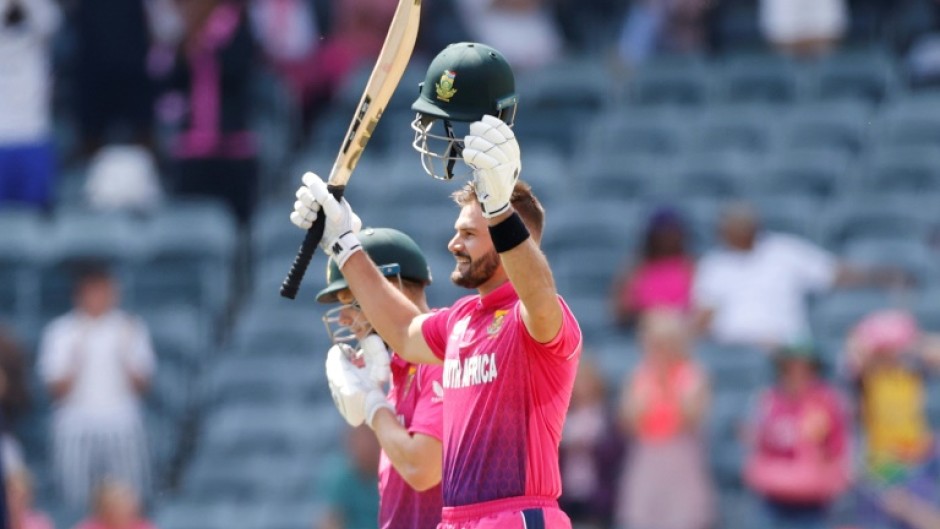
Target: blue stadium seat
912 121
291 515
836 313
869 76
792 213
636 131
670 83
586 272
265 331
835 125
910 169
873 216
734 129
625 176
722 175
82 234
591 309
256 380
734 368
757 78
22 244
818 173
616 357
728 414
572 227
188 256
180 333
913 257
262 430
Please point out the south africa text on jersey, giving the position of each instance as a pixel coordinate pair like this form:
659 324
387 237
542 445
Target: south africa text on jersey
479 369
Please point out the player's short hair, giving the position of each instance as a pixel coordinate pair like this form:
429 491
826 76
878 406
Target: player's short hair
523 200
90 272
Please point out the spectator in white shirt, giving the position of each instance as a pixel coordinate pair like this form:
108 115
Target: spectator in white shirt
804 27
27 159
754 289
97 361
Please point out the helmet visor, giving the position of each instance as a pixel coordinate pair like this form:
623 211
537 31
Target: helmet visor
346 324
440 143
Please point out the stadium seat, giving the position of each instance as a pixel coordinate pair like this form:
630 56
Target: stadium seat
817 173
835 125
180 333
22 245
188 256
792 213
734 368
910 169
658 132
836 313
256 380
266 330
868 75
722 175
592 309
574 227
912 257
873 216
727 416
616 357
624 176
757 78
912 121
738 129
669 83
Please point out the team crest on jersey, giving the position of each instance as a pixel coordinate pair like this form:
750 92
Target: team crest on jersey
497 324
445 87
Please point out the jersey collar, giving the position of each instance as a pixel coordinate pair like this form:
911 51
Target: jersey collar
500 296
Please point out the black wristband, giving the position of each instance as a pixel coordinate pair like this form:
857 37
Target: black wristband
509 233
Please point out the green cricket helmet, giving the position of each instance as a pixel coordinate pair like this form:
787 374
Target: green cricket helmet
465 82
396 255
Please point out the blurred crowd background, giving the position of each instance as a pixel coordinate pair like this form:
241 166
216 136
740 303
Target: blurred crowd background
742 205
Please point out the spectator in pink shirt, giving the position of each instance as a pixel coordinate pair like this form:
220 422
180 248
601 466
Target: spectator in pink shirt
800 459
663 275
666 483
20 503
116 506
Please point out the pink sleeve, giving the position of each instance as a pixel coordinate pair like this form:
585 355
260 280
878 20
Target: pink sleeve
428 418
565 345
435 331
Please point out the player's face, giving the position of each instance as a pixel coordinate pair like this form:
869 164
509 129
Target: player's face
349 316
477 260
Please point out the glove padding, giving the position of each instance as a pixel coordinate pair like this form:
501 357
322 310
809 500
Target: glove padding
492 151
342 224
356 397
376 358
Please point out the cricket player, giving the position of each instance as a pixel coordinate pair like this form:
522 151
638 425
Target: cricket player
511 351
408 422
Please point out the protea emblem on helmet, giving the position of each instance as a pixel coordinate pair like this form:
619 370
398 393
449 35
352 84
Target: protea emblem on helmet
445 87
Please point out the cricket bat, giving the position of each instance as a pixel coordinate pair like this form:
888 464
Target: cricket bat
387 73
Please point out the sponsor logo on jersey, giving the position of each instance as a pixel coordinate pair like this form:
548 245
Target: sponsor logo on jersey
473 371
445 87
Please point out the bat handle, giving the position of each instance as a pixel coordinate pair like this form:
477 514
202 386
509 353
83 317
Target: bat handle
291 285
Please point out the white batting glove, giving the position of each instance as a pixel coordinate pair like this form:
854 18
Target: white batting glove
377 359
492 151
356 396
339 234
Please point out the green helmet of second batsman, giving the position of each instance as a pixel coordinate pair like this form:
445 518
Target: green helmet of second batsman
464 82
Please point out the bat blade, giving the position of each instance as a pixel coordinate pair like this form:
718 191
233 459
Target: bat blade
387 73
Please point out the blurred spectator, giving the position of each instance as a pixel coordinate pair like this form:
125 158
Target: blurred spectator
753 290
14 388
888 356
116 506
591 451
97 361
804 28
522 30
289 35
588 25
800 460
123 177
666 484
115 93
19 490
350 492
663 26
662 277
216 151
356 39
27 159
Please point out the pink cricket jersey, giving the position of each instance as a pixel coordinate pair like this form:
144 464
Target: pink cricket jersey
417 396
505 398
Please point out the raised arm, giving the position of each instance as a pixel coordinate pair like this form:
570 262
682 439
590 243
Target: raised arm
492 151
531 276
391 313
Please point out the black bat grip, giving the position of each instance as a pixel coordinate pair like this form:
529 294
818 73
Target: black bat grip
291 284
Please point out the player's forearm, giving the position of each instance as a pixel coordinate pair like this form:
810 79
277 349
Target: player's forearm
531 276
416 458
387 309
